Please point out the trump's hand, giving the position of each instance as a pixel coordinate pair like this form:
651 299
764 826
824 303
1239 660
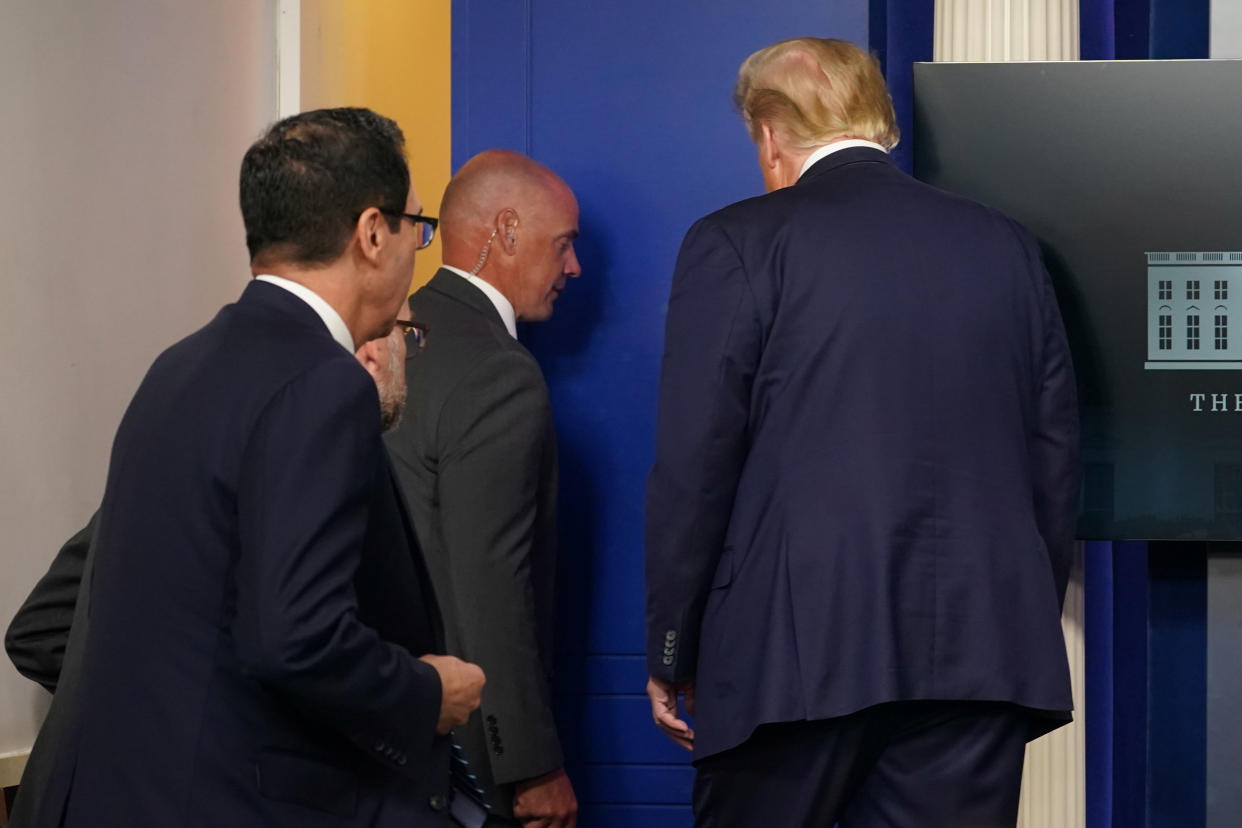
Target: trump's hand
663 695
461 690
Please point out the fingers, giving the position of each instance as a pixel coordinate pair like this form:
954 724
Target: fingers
664 712
476 680
529 819
683 738
547 821
547 799
462 689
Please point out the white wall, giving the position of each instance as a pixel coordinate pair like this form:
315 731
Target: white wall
122 129
1226 37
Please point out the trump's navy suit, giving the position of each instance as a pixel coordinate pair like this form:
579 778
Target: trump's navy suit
865 484
258 601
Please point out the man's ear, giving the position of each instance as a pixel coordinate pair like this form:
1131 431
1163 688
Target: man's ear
371 231
507 230
370 357
769 153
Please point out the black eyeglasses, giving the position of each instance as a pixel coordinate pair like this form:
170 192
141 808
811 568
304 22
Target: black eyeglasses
424 225
415 337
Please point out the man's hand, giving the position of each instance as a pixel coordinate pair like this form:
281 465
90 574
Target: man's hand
663 695
546 801
462 690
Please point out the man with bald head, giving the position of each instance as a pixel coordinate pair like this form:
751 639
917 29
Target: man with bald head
476 455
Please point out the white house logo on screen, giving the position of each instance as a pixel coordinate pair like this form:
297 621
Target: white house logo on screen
1191 323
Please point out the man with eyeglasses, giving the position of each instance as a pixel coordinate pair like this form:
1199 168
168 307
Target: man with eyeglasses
476 455
260 647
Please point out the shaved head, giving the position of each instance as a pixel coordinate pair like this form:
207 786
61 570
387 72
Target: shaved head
485 186
512 222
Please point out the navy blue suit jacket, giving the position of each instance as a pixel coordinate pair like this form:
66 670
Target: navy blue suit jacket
866 475
258 602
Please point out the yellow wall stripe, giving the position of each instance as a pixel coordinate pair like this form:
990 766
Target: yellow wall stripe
394 56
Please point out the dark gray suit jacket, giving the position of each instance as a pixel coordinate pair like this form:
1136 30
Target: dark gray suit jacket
38 635
45 641
476 455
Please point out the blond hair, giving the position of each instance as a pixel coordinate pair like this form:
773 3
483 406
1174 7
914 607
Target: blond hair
814 90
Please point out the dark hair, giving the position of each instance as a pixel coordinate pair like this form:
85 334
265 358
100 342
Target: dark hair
305 182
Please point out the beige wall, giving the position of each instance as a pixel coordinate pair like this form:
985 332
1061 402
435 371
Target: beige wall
123 127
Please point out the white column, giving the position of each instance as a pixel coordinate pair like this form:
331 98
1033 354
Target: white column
1226 30
289 57
1054 784
1054 789
997 30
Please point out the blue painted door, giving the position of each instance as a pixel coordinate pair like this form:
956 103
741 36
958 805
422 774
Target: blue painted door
631 104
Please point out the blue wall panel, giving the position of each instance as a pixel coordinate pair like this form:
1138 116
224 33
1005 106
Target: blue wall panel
631 104
901 34
1128 670
1141 29
1099 643
1177 686
637 816
654 783
1180 29
617 730
489 77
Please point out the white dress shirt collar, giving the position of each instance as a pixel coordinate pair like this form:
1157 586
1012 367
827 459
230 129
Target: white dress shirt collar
335 324
829 149
503 306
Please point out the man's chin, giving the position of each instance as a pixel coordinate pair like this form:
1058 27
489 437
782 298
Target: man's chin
390 416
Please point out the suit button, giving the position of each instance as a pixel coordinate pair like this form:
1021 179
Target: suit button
668 661
670 636
436 802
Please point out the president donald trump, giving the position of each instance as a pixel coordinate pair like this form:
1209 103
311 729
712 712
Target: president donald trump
861 514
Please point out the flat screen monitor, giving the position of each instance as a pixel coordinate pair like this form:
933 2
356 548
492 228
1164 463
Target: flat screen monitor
1130 175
